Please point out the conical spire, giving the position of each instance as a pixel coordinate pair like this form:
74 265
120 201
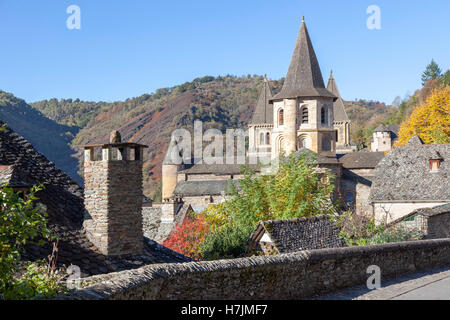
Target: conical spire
338 105
304 78
263 113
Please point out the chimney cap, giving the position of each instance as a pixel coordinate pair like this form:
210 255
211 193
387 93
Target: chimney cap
115 137
115 141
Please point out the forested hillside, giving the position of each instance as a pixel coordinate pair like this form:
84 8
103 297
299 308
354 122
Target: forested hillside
50 138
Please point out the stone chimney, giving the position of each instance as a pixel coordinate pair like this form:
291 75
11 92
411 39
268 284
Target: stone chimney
113 196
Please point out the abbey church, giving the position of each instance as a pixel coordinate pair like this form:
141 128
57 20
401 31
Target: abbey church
304 116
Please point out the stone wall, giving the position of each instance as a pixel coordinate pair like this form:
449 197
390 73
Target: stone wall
290 276
438 226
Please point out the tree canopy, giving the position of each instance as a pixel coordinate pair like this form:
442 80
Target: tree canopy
431 120
432 71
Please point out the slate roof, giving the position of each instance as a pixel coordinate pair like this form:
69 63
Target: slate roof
9 175
361 160
338 106
428 212
404 174
65 207
217 169
201 188
304 78
293 235
392 129
263 113
320 159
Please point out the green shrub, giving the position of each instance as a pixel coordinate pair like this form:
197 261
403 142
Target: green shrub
22 222
34 281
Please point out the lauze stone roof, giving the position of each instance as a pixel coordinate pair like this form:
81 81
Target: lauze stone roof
65 207
361 160
293 235
405 175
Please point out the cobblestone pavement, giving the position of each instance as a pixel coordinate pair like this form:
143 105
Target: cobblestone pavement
431 285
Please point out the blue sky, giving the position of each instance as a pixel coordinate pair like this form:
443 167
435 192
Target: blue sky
128 48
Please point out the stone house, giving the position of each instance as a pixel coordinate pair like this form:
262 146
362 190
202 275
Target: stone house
384 138
411 177
286 236
64 199
358 172
433 223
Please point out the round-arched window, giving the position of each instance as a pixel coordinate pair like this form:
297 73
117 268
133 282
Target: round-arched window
281 117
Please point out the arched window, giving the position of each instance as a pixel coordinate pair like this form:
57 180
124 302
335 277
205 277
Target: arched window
305 118
261 138
281 117
268 138
323 115
302 143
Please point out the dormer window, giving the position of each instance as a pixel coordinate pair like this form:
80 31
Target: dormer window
435 164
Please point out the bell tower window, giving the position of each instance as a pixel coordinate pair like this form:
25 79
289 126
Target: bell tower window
305 118
281 117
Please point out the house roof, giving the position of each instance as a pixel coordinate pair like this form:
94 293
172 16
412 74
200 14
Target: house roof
320 159
9 175
304 78
404 174
65 208
361 160
338 106
429 212
201 188
217 169
263 113
390 128
293 235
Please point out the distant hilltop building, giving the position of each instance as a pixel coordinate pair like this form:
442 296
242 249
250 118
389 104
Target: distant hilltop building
384 138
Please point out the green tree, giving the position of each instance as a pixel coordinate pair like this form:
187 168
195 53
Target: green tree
296 190
445 81
432 71
22 222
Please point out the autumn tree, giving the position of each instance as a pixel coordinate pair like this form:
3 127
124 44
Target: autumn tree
432 71
431 120
188 236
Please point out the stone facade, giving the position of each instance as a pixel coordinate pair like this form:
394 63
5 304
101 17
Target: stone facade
288 276
113 200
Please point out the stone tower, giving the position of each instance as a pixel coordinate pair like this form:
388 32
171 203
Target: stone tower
303 110
261 124
171 165
113 196
341 120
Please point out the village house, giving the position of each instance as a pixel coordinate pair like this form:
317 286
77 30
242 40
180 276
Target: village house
411 177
